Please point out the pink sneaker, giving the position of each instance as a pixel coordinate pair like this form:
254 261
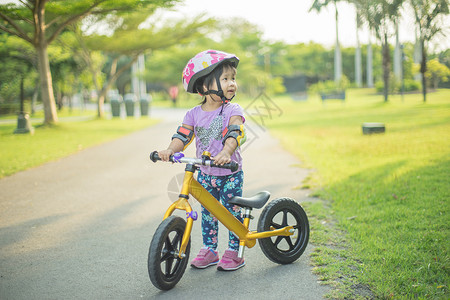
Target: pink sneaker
230 261
205 258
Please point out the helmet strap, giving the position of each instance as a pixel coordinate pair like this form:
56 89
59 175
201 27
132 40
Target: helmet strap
219 92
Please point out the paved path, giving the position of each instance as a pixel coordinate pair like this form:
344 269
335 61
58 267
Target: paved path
80 227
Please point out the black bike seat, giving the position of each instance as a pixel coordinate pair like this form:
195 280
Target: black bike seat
256 201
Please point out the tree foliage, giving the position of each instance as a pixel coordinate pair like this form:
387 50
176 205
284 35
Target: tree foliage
427 13
41 22
130 39
16 62
318 5
437 72
92 44
381 16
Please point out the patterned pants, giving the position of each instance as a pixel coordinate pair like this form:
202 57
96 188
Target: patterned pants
223 188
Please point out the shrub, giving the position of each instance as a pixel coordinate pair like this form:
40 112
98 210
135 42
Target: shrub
395 86
327 87
411 85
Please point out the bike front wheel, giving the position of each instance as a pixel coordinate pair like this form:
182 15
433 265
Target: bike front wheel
165 267
277 214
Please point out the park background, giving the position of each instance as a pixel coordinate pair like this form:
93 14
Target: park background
382 225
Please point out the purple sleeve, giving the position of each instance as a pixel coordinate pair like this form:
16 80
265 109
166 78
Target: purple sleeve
189 118
238 111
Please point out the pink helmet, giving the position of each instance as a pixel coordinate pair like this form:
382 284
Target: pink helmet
202 64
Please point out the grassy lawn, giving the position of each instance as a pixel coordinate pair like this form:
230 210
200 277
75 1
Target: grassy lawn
22 151
63 113
385 220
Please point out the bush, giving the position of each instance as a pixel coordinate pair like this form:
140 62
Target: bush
328 87
275 86
379 86
411 85
395 86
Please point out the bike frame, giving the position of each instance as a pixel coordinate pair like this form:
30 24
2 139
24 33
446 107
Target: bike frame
193 187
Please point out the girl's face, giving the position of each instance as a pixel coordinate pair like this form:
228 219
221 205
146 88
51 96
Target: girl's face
227 82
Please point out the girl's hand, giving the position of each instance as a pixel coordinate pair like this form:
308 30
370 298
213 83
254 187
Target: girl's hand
165 154
222 158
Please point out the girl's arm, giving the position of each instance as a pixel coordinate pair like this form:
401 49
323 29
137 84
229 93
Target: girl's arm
176 145
230 145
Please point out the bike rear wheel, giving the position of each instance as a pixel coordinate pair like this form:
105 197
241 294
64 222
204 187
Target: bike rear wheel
277 214
165 267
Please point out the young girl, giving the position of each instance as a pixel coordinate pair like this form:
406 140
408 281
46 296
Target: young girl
218 128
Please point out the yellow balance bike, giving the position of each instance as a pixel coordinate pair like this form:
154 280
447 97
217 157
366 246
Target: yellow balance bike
283 227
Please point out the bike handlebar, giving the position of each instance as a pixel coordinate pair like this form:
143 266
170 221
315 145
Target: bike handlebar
232 166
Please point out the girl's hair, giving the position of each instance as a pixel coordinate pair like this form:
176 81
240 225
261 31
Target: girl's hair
211 77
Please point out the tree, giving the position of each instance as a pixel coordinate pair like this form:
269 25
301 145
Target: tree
130 39
311 59
381 16
358 58
233 36
18 61
40 22
67 72
90 62
317 5
426 13
437 72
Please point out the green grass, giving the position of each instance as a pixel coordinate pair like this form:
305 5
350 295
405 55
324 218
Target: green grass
63 113
22 151
385 223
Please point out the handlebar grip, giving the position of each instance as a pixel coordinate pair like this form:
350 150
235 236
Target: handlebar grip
154 157
232 166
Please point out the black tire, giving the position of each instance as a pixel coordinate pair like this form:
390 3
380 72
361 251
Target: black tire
165 268
278 214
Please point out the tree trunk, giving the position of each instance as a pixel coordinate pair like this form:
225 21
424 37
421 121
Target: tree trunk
21 96
423 69
114 74
397 55
102 93
48 98
386 67
101 104
100 101
369 64
358 59
337 52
